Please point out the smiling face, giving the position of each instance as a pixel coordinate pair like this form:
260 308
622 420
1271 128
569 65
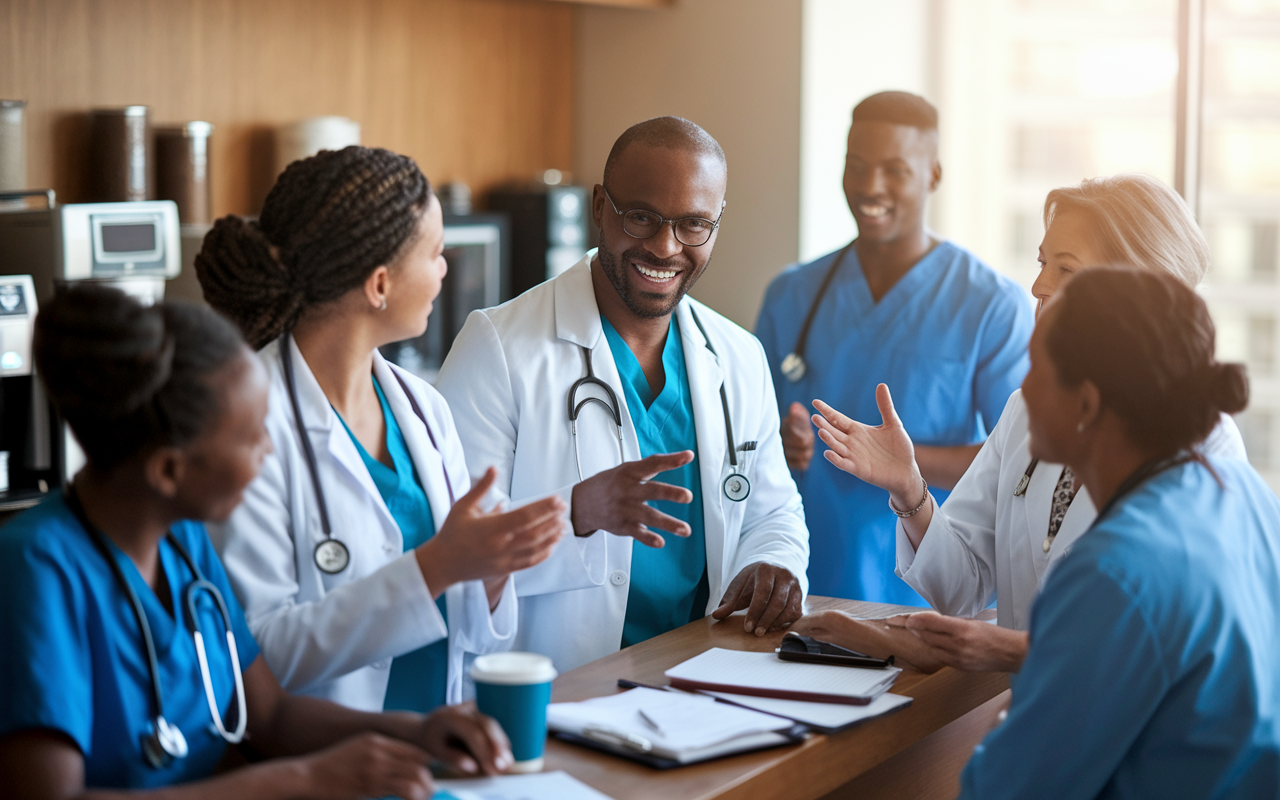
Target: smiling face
652 275
1068 247
888 175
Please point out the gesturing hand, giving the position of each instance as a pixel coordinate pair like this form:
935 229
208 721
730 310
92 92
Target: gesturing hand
473 544
616 500
466 740
882 456
771 595
368 765
797 438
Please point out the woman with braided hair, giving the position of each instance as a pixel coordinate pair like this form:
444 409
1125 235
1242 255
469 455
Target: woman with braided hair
370 569
122 639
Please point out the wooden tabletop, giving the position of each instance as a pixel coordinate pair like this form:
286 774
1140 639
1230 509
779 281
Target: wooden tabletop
813 769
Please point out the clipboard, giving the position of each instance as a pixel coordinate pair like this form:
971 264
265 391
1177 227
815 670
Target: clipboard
630 747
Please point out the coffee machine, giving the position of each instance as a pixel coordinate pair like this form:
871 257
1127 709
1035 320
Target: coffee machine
28 433
132 246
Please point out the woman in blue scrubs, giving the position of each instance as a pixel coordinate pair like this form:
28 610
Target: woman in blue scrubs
100 600
1154 661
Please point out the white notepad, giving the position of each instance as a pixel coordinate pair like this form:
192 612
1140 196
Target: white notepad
766 675
822 717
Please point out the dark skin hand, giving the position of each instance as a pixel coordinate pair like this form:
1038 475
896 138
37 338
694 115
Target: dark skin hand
771 595
617 500
352 754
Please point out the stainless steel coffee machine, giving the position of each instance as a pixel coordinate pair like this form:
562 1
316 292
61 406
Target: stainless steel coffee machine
133 246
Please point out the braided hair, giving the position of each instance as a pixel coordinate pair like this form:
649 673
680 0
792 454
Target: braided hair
1146 341
329 221
129 378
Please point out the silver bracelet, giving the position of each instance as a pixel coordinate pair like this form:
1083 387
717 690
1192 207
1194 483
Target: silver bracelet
916 510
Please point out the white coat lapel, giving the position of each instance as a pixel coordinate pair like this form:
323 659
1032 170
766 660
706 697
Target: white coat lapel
1039 505
322 424
427 460
705 378
578 324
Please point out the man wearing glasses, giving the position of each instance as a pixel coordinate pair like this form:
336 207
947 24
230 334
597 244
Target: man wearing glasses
652 415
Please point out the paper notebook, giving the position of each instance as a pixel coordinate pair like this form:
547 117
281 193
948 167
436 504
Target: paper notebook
820 717
675 727
765 675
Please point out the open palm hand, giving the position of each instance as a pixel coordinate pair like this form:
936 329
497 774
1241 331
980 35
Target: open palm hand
881 455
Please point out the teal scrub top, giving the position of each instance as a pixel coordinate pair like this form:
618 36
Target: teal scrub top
1154 663
73 660
419 679
669 585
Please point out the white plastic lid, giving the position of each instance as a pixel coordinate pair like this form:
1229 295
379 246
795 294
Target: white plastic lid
513 669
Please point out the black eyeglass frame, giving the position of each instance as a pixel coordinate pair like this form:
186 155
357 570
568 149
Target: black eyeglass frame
675 231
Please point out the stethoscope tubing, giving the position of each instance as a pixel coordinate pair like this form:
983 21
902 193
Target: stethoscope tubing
796 356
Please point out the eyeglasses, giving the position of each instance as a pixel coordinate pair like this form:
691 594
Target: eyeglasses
639 223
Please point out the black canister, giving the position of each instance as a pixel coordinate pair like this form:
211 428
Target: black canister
120 166
182 170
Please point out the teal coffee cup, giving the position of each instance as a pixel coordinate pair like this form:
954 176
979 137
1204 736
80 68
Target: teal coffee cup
514 689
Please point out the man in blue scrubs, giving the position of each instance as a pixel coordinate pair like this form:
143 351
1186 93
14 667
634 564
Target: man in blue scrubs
944 331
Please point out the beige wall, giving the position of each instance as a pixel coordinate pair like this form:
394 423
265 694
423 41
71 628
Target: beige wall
732 66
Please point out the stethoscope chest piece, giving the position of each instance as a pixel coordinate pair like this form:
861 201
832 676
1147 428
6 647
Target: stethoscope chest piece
163 744
332 556
793 367
737 487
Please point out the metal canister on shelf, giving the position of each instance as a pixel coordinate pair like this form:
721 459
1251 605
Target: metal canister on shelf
13 145
182 170
120 167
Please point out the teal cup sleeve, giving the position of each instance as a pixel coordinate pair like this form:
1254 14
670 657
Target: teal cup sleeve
521 710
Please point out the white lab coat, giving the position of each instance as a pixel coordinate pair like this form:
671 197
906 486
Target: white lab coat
334 636
984 540
507 379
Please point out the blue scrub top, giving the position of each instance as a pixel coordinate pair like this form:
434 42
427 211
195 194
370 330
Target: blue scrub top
419 680
669 585
1154 666
73 659
949 339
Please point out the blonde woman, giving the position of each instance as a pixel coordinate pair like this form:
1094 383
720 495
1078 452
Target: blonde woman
1010 517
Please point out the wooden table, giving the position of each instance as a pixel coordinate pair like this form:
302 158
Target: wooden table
917 752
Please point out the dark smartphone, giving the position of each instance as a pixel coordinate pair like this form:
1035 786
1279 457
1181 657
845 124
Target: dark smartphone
802 648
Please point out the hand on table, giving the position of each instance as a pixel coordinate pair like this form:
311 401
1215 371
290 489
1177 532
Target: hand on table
771 595
466 740
870 636
797 437
882 455
967 644
368 765
617 500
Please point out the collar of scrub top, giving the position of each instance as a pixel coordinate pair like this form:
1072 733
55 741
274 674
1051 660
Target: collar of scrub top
1141 475
165 742
331 555
794 366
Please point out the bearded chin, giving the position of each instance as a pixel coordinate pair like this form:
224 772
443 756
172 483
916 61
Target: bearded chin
614 270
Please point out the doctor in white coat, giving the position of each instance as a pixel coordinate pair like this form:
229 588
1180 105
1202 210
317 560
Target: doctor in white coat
620 319
365 562
1010 518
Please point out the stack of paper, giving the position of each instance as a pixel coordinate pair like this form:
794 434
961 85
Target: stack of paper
820 717
677 726
539 786
765 675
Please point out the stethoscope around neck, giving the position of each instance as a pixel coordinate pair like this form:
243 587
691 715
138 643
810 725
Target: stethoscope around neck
164 742
331 555
736 486
794 366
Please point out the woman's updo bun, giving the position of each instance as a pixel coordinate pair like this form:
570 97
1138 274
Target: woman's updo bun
241 274
1147 342
1230 385
329 221
126 377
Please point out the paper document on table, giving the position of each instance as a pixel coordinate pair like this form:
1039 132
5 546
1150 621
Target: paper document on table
670 722
766 675
822 717
540 786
